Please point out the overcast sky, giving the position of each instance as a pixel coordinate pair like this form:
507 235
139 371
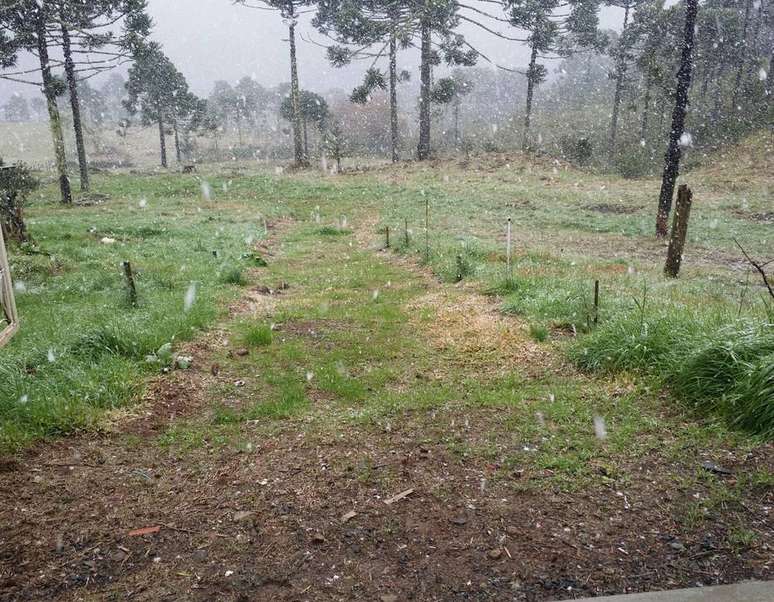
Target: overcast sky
216 40
210 40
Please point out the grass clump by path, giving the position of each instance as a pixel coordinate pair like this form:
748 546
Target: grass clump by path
257 335
82 347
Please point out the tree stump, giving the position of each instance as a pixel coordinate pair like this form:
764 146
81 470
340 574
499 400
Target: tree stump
679 231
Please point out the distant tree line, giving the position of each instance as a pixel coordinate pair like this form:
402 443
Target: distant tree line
685 74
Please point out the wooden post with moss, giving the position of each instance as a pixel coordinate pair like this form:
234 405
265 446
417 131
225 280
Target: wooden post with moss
9 319
679 231
130 286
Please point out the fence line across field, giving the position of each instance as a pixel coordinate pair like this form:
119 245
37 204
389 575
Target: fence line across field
9 320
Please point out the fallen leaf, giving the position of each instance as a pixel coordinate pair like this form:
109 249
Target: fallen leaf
348 516
144 531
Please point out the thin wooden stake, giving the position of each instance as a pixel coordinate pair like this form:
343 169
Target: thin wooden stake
405 231
427 230
679 231
596 302
508 252
130 283
387 232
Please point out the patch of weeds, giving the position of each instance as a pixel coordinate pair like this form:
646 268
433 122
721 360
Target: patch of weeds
287 399
257 335
233 275
740 538
189 437
538 332
333 231
255 259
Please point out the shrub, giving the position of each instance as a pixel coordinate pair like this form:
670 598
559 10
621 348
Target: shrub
578 150
538 332
233 275
16 182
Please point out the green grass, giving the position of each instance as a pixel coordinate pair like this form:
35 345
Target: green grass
257 335
74 302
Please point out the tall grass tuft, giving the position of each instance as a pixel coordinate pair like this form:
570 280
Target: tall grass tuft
730 373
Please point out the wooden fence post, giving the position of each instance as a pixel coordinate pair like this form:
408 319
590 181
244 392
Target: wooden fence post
7 300
679 231
130 283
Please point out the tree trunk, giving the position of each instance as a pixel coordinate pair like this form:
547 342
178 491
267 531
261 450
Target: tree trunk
457 122
239 128
423 150
645 109
53 111
162 142
530 94
743 59
672 157
394 98
716 111
620 73
679 232
177 143
301 157
306 139
75 105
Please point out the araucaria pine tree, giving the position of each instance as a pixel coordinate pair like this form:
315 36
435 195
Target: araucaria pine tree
378 28
289 11
554 28
23 26
158 91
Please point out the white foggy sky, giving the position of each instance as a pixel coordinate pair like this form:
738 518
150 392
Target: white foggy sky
217 40
210 40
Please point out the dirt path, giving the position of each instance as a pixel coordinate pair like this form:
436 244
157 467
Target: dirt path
420 501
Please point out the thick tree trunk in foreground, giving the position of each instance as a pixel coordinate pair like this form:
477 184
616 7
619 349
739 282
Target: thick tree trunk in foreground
53 111
162 142
530 94
620 73
75 105
394 98
679 231
423 150
673 153
301 157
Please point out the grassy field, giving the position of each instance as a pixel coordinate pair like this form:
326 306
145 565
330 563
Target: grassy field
336 372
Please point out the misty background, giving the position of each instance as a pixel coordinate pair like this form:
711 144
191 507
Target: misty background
210 40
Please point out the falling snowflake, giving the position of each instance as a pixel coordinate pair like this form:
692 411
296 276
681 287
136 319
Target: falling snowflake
600 429
686 140
143 203
206 190
190 297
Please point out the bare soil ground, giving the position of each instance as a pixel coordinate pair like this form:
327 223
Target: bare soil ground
354 512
